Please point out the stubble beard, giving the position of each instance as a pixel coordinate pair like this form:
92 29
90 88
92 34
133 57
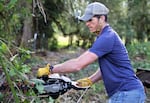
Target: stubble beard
99 29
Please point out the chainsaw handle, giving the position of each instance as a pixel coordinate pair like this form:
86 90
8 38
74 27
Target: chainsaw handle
76 87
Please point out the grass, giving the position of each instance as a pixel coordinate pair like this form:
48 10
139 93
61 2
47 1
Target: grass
140 54
62 41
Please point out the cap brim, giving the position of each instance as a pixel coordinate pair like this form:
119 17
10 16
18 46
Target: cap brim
85 17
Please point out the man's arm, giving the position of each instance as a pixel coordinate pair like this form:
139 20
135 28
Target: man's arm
76 64
96 76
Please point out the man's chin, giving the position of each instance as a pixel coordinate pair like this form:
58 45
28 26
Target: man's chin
96 32
92 31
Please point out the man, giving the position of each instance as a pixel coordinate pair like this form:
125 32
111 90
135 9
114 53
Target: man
115 70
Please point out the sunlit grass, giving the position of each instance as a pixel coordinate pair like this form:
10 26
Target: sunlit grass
62 41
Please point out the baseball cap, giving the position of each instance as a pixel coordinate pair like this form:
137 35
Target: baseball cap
95 8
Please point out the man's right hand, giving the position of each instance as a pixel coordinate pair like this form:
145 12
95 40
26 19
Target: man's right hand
44 71
84 82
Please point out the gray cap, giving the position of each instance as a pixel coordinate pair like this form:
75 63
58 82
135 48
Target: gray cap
92 9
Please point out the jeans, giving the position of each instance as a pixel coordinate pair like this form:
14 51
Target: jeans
133 96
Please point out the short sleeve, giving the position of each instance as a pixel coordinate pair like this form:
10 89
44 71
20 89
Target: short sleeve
103 44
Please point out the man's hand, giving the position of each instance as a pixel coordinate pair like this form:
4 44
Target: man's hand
44 71
85 82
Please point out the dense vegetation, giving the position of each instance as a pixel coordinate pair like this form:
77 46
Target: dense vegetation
30 26
38 23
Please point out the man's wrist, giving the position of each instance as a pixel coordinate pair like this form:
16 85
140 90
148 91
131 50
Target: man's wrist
51 69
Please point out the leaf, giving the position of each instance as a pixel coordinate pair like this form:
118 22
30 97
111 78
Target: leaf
11 4
1 7
3 47
39 84
25 69
1 96
40 88
37 81
12 72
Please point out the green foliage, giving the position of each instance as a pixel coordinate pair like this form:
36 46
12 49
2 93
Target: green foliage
1 96
1 7
139 49
3 48
11 4
140 54
12 14
3 60
53 44
132 20
17 71
138 15
98 87
14 68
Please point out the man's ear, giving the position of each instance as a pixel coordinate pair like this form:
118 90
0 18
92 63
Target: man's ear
100 20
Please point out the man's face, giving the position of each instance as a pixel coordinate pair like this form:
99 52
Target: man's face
94 24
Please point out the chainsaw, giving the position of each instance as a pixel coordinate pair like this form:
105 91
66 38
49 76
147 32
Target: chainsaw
53 85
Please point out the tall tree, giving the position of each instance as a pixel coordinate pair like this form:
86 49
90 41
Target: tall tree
140 18
27 33
12 14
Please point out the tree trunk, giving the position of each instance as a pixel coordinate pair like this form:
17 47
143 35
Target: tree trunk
27 27
27 32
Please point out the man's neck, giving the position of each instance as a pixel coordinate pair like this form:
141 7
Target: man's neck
101 29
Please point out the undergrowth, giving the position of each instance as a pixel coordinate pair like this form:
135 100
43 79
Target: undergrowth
139 54
18 67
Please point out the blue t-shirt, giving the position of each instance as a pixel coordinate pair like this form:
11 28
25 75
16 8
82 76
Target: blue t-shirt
115 66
